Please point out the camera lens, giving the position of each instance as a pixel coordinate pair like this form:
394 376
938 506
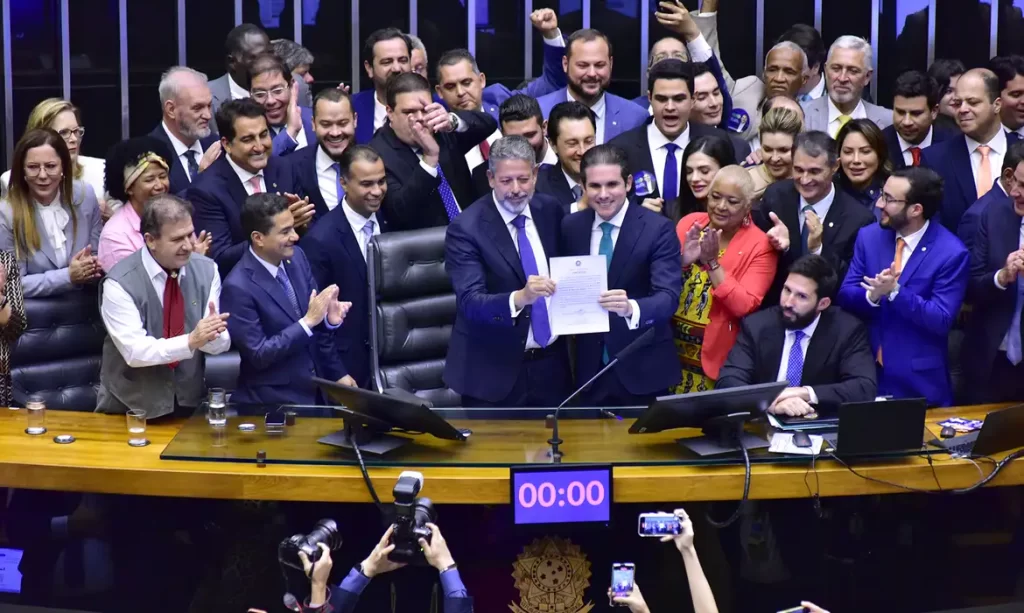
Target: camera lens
326 532
424 512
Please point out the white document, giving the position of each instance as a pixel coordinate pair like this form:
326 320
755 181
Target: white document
782 442
574 308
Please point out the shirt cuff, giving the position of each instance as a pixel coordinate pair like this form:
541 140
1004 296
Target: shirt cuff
817 251
700 50
355 582
178 350
867 295
557 41
633 321
329 326
431 170
306 328
995 278
512 305
810 392
452 584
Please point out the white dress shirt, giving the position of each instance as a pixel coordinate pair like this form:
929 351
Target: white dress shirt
787 348
905 147
237 91
657 142
599 109
326 178
124 323
820 209
538 254
380 113
299 140
833 116
633 321
1019 131
357 221
180 150
245 176
910 243
997 149
550 157
55 218
818 91
576 206
474 157
995 279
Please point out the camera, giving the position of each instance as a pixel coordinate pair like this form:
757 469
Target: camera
325 531
411 517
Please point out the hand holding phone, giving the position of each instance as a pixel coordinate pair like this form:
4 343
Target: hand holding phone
622 580
658 524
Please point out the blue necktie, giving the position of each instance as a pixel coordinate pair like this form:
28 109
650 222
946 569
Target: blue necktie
1013 342
447 196
606 248
670 187
193 166
539 321
795 368
286 284
341 190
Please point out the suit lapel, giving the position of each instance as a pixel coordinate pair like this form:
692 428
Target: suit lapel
494 225
922 251
548 231
771 345
630 232
349 242
790 215
961 159
261 278
819 347
298 282
44 241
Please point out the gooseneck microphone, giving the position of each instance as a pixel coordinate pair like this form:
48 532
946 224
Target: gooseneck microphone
640 342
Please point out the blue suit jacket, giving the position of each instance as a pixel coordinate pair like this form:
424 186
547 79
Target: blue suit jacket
218 195
278 357
334 256
177 175
486 347
953 163
303 170
283 143
362 104
972 216
620 115
646 263
552 78
913 329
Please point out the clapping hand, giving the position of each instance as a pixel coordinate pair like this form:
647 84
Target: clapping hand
709 245
336 312
294 117
302 210
1014 266
814 231
202 244
208 328
691 245
84 267
881 284
319 303
209 156
778 236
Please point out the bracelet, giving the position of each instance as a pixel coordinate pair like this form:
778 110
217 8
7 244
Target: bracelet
452 566
711 266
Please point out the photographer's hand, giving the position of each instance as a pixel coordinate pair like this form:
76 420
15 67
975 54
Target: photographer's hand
436 551
318 573
377 563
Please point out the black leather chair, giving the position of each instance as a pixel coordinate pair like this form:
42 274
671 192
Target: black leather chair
222 370
412 311
59 353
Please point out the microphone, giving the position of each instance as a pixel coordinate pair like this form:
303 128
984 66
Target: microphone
638 343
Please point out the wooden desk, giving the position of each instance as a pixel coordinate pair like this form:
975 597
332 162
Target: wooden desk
101 461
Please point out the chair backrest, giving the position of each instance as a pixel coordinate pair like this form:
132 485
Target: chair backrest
59 353
412 311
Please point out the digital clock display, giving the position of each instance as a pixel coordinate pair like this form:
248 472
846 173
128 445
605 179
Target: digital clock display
554 494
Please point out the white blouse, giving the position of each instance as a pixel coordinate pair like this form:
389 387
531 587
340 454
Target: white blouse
55 218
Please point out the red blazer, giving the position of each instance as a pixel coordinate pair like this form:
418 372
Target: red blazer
749 263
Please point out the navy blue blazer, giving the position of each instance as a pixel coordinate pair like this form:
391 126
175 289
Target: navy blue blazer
277 356
177 175
551 182
283 143
972 216
620 114
362 104
939 135
334 256
952 161
646 263
303 169
218 195
552 78
486 347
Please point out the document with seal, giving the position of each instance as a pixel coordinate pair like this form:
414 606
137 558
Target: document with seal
574 308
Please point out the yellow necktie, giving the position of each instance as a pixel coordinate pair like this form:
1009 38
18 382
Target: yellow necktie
843 120
984 171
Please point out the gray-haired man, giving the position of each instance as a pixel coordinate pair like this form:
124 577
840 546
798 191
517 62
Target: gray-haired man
187 127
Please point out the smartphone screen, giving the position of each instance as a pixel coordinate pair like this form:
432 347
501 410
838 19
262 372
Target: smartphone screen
658 524
622 579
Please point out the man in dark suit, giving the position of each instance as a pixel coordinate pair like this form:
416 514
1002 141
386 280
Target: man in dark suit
278 311
1009 69
810 212
317 169
186 127
244 42
992 343
822 351
643 255
245 168
424 148
272 86
502 351
519 115
571 132
914 109
970 162
657 147
336 248
1000 191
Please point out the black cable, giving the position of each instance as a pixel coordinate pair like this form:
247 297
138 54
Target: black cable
366 475
965 490
746 490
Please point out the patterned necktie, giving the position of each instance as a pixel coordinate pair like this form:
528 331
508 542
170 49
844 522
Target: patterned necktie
606 248
174 309
193 166
447 196
804 232
795 367
255 183
539 320
286 284
577 193
670 187
341 190
915 156
367 235
984 182
805 98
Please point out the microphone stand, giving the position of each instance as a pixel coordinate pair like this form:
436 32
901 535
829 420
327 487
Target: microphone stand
555 441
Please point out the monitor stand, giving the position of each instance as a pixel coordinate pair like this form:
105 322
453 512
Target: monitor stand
370 441
724 435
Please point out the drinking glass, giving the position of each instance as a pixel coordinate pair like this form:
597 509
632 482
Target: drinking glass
216 408
36 409
137 428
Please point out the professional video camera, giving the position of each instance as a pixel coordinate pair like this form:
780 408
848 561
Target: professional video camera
326 532
411 517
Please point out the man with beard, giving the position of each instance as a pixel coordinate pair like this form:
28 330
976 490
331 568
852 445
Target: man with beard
848 71
502 352
520 115
571 133
588 68
274 88
185 129
906 283
243 44
820 350
317 170
1010 71
336 248
915 106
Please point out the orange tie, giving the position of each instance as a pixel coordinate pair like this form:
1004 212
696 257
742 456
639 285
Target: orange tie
897 268
984 171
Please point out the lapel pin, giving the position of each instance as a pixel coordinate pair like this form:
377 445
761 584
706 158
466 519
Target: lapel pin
193 303
830 224
924 248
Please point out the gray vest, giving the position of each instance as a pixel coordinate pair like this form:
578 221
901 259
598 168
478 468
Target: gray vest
153 389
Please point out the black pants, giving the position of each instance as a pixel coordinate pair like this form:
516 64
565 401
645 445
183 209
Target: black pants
1006 384
543 381
608 391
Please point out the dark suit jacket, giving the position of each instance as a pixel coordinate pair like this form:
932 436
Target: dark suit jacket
939 135
845 218
362 105
968 229
998 235
646 263
486 348
177 175
303 169
218 195
334 256
413 200
551 182
283 142
638 149
278 357
838 365
480 182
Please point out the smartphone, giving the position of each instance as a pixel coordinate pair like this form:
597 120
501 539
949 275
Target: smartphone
622 579
795 610
658 524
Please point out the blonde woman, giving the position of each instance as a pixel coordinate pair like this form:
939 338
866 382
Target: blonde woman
778 130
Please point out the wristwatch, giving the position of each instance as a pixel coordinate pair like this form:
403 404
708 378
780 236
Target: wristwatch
453 119
711 266
451 566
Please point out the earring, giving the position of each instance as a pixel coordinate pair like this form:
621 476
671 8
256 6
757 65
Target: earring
746 221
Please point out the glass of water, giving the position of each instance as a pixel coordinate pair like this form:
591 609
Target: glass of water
216 408
36 409
137 428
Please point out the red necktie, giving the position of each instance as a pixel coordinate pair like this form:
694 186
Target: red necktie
174 309
485 150
915 155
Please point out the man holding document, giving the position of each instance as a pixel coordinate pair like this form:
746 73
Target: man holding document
503 350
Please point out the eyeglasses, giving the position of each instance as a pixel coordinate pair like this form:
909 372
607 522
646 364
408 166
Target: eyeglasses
260 95
887 199
67 133
34 170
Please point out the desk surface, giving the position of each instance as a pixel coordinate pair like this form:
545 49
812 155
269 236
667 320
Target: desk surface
101 461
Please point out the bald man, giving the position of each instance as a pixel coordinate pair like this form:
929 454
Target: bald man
785 73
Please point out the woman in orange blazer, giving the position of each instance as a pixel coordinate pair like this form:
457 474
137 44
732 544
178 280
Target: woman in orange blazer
728 265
